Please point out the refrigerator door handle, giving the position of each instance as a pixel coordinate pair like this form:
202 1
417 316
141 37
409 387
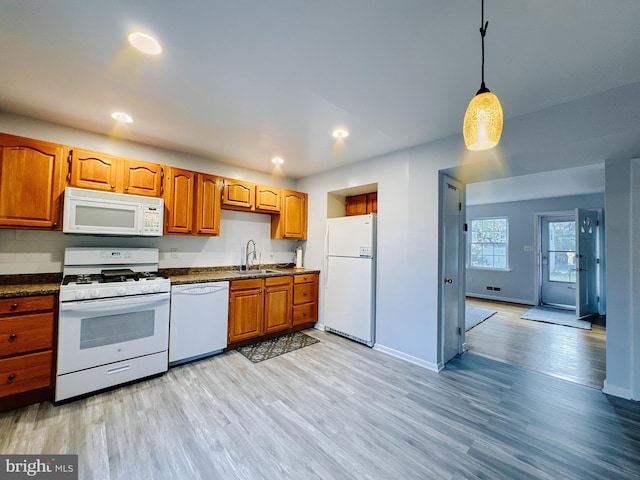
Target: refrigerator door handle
326 258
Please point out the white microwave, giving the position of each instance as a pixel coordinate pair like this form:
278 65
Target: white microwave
106 213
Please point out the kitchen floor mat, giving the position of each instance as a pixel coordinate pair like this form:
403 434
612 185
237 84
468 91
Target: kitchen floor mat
266 349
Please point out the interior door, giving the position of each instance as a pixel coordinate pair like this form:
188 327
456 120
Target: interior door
452 287
587 262
558 261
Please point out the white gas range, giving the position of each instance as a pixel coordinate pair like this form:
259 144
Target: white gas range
113 325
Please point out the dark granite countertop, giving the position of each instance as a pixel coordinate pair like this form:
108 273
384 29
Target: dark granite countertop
32 284
219 274
29 285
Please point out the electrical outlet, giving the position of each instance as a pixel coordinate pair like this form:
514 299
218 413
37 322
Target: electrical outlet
174 252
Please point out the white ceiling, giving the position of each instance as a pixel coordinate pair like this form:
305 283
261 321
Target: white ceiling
242 81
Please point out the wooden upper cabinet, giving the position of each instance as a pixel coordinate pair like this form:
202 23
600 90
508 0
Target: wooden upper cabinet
178 200
362 204
238 195
93 170
372 202
207 205
142 178
291 223
31 183
356 205
99 171
267 198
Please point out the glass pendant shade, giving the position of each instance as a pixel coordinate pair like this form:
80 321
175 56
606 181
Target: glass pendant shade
482 125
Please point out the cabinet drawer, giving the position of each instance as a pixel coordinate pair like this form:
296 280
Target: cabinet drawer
305 313
311 277
25 333
25 372
26 304
245 284
271 281
304 293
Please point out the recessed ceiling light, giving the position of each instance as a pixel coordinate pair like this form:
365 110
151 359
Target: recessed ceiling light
122 117
277 160
340 133
145 43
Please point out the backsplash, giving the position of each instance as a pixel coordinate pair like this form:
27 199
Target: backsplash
35 251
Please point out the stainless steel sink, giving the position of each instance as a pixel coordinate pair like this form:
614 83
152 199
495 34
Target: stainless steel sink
264 271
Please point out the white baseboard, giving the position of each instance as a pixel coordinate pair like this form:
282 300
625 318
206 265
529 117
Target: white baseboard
319 326
617 391
500 299
408 358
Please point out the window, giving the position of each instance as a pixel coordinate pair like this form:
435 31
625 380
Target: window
489 243
562 251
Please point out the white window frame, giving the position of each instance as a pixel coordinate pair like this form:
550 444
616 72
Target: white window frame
470 242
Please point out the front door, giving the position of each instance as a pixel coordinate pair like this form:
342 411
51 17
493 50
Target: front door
558 261
452 287
587 266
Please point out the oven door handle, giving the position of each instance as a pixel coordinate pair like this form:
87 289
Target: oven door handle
106 304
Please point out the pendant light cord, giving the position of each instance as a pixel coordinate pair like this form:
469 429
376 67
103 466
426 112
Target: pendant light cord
483 32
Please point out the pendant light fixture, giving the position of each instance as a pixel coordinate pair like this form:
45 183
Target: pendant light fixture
483 120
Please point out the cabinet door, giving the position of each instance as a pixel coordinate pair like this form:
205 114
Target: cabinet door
356 204
277 304
294 215
93 170
372 202
267 198
207 205
30 183
178 200
245 310
238 195
141 178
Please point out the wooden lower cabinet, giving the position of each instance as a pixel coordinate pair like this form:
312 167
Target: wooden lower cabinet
305 299
246 305
26 350
267 307
277 304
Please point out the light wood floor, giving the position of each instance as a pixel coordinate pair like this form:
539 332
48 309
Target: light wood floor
569 353
338 410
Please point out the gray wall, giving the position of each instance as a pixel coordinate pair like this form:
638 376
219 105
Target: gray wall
519 283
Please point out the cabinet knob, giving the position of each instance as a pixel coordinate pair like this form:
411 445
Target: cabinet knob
113 187
11 377
14 306
55 225
12 337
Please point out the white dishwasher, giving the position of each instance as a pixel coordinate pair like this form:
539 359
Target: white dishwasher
198 322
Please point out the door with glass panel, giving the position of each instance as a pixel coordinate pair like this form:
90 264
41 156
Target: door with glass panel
558 261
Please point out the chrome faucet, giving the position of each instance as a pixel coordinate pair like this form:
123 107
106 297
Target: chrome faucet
247 253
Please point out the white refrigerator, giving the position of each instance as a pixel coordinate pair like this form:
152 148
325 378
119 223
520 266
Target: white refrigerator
350 277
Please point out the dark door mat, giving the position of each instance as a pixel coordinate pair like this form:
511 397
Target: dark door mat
266 349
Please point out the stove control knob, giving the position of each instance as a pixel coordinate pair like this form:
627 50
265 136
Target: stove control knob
121 291
95 292
80 294
145 289
156 288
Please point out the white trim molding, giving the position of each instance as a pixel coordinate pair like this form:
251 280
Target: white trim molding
408 358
